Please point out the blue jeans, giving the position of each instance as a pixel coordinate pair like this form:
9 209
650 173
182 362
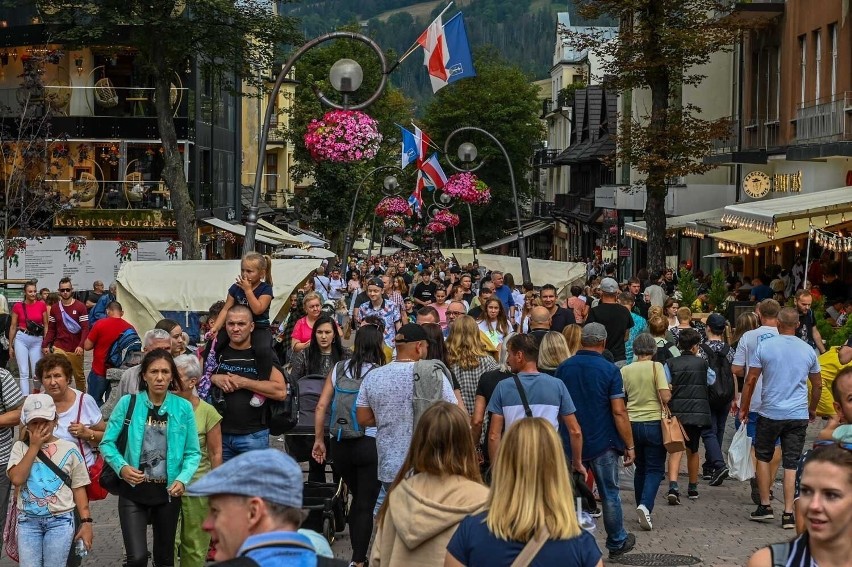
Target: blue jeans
233 445
605 468
718 420
98 387
44 541
650 461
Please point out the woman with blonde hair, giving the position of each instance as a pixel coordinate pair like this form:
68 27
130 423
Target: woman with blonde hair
572 334
438 485
466 358
531 505
552 352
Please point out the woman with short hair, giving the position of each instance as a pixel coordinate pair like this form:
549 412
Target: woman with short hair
301 336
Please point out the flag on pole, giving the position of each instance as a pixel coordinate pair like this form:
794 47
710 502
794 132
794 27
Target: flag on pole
432 170
446 52
415 201
422 142
410 148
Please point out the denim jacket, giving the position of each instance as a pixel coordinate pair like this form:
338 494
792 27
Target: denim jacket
182 450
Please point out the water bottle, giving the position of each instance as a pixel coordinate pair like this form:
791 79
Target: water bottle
80 549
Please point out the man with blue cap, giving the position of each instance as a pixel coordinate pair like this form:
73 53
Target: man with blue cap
255 512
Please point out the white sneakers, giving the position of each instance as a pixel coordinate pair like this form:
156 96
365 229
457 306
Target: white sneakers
644 517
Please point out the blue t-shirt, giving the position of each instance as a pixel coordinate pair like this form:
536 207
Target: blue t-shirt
474 546
504 294
239 296
271 549
547 397
761 292
592 381
786 361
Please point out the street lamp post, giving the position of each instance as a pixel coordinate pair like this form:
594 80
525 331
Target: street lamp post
345 75
390 185
467 154
445 201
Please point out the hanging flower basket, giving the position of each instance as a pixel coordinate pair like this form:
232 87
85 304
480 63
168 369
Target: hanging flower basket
435 227
446 218
468 188
343 136
394 224
390 206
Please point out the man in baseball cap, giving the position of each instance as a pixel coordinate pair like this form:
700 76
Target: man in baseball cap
255 509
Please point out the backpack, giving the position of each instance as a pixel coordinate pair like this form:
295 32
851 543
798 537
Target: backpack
428 385
283 415
343 423
122 349
721 392
664 352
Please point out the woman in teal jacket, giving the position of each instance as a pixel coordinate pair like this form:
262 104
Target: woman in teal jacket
160 458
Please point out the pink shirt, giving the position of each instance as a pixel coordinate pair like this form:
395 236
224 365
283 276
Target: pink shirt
302 331
35 313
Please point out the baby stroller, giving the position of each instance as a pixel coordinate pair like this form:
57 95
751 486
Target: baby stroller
327 503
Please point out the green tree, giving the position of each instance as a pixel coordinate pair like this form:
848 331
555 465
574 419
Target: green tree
227 41
660 47
501 100
687 287
327 202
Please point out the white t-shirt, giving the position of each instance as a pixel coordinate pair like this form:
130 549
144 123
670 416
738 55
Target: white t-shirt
322 286
336 287
90 415
745 350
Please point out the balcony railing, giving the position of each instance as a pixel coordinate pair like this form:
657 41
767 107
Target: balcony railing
825 121
544 157
100 101
760 134
542 209
728 144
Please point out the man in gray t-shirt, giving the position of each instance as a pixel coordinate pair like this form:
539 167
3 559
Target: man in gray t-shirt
11 401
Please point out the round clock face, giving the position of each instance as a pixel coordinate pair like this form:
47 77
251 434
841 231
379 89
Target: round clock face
756 184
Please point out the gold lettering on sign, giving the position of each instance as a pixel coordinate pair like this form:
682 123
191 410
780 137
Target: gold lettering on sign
106 219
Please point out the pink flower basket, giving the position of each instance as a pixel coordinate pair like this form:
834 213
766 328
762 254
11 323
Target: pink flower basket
468 188
447 218
394 224
435 227
343 136
390 206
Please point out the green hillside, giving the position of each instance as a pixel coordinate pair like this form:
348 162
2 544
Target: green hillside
522 31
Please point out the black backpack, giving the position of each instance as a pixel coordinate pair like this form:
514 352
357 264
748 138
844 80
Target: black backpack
283 415
123 348
664 353
722 391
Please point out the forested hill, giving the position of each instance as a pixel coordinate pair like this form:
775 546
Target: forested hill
522 31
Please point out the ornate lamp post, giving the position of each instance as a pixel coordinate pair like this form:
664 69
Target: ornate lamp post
390 186
346 76
467 153
445 201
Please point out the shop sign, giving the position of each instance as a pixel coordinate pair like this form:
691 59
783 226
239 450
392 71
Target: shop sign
107 219
758 184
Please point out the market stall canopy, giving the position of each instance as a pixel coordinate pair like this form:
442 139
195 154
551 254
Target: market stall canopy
697 224
404 243
240 230
765 216
303 253
561 274
282 235
529 230
188 287
786 231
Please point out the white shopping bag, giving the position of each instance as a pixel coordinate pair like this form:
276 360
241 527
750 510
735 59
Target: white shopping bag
740 463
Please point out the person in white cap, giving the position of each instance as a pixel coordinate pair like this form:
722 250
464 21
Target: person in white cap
255 511
51 477
615 318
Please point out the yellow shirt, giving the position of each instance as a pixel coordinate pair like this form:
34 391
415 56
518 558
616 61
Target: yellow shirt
640 388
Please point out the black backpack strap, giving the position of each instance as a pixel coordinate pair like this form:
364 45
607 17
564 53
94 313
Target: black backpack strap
63 476
523 394
780 552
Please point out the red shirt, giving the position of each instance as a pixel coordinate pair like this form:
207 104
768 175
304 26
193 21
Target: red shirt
35 313
102 335
58 334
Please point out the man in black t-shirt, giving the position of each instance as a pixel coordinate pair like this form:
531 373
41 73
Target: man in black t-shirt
559 316
424 292
615 318
807 329
246 393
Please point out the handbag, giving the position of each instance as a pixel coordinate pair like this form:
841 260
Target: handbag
532 548
10 528
94 490
33 328
674 437
109 478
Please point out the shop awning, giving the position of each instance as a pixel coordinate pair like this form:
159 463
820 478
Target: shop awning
240 229
528 231
765 216
786 231
697 224
308 237
404 243
280 234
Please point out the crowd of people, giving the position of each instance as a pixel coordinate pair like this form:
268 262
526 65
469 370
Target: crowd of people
473 420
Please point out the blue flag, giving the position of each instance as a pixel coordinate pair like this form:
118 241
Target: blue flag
460 63
409 147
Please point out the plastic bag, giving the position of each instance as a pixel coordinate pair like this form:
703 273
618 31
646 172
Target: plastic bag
625 475
740 463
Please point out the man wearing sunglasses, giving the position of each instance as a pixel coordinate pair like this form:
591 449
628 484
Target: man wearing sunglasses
67 328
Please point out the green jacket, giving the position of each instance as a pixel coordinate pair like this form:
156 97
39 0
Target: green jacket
182 451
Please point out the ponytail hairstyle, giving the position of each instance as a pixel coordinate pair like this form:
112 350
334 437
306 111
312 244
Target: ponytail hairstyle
263 263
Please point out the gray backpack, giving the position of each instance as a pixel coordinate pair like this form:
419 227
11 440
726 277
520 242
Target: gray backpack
428 385
343 423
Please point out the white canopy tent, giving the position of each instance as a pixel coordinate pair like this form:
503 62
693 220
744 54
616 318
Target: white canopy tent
561 274
145 289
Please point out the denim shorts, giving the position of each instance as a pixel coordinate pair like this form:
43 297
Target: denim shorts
792 434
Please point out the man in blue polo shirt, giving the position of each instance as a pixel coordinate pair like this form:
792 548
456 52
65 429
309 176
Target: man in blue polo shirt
597 390
504 294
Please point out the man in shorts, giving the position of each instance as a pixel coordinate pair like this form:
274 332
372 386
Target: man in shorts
786 364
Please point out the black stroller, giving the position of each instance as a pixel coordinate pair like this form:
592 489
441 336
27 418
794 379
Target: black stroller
327 503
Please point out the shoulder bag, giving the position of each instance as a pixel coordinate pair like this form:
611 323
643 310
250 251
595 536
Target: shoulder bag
33 328
531 549
674 437
94 490
110 479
